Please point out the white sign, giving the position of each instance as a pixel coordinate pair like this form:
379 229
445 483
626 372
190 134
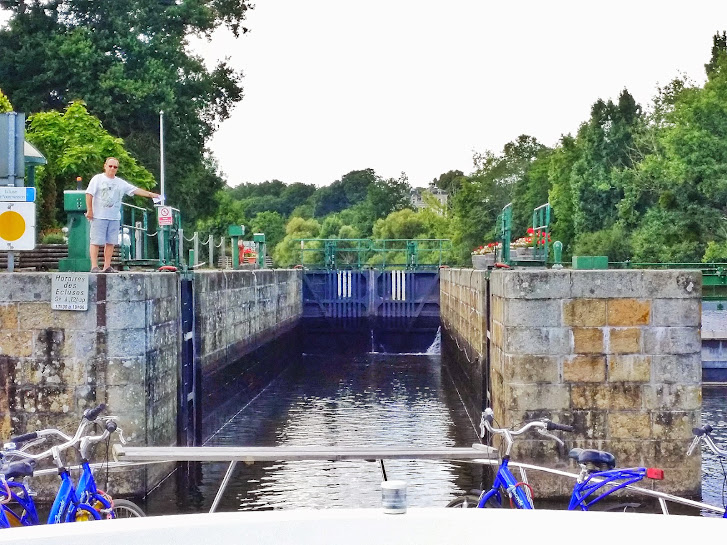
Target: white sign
69 291
17 226
164 213
17 194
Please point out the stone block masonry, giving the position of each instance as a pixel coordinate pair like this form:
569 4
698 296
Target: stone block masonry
122 351
125 350
239 311
624 354
614 353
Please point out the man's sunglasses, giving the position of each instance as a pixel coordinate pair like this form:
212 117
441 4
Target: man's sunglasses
112 166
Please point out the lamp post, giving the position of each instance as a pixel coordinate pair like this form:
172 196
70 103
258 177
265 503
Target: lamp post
161 155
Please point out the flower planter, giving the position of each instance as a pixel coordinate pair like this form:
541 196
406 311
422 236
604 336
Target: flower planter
483 261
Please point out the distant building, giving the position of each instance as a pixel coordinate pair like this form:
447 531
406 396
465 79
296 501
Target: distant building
417 199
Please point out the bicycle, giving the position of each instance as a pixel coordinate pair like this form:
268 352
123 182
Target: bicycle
597 479
519 492
704 435
72 503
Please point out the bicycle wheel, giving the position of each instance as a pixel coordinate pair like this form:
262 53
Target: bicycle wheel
470 500
626 508
465 501
125 509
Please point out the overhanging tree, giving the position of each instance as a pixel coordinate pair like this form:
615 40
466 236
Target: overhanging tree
129 59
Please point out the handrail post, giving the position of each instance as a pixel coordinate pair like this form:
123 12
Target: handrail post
211 241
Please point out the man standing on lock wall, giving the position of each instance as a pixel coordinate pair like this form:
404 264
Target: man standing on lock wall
103 205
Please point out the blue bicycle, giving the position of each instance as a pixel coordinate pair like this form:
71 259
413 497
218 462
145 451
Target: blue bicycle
598 477
704 435
72 503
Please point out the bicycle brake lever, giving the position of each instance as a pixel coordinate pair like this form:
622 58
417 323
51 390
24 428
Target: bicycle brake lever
557 439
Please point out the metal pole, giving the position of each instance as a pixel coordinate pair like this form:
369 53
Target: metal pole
161 155
212 251
11 148
196 249
225 480
180 246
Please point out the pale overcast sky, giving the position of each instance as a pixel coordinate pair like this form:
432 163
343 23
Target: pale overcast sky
416 86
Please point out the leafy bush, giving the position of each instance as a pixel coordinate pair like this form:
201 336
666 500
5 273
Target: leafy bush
53 237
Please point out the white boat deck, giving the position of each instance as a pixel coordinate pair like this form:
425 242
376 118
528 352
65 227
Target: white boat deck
419 526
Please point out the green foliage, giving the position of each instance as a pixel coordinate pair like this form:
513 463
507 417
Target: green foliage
716 252
450 181
75 144
5 105
270 223
403 224
287 252
53 238
612 242
483 194
229 212
560 196
129 59
719 49
672 236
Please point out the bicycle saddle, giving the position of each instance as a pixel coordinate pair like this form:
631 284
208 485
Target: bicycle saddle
23 468
599 458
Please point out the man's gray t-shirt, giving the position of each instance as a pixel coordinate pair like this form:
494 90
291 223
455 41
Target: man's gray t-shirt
107 193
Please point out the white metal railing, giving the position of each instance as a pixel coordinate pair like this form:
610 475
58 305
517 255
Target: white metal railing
473 454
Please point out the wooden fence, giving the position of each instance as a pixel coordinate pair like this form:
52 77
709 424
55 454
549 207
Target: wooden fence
45 257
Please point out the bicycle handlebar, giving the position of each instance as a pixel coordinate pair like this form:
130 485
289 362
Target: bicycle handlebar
560 427
542 427
23 438
89 417
703 435
92 414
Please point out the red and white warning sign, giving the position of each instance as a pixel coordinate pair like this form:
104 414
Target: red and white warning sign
164 215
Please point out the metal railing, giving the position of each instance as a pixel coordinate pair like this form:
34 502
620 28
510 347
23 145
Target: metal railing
478 454
360 253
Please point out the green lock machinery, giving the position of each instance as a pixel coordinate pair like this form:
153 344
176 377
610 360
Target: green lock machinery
259 240
79 228
235 232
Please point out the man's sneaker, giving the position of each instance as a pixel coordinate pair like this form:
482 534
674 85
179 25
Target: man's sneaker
96 270
110 270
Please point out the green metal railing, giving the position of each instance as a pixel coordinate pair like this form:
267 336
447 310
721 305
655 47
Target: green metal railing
540 236
541 232
359 253
138 234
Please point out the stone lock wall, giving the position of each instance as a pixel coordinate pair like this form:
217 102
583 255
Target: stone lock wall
614 353
463 311
125 350
122 351
238 311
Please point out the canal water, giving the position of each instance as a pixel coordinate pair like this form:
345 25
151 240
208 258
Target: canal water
355 399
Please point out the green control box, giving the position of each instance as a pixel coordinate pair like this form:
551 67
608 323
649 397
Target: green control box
590 262
78 260
236 230
74 201
258 237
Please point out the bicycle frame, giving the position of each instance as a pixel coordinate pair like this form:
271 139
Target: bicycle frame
506 480
587 488
67 503
88 491
29 514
